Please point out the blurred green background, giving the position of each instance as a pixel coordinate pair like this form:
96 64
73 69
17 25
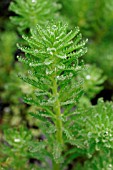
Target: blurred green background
95 19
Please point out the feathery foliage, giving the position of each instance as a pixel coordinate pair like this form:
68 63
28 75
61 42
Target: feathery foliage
31 12
6 54
91 16
102 55
15 149
52 56
94 133
93 80
100 161
67 131
93 84
97 127
95 21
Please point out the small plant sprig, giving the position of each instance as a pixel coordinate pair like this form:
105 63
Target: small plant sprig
94 133
30 12
78 12
102 55
15 149
93 84
97 130
52 56
93 80
97 162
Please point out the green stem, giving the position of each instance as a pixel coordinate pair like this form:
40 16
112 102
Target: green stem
58 114
56 166
58 120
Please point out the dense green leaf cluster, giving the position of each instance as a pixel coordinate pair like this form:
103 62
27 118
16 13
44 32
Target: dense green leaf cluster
96 129
102 55
93 80
91 16
93 131
31 12
67 131
93 84
16 149
6 60
95 21
98 162
52 56
53 61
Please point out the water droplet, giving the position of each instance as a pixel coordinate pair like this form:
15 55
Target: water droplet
96 115
88 77
54 27
89 155
62 77
55 69
86 143
33 1
17 140
36 51
48 72
51 50
110 165
110 135
61 66
62 57
51 33
35 64
68 102
97 140
106 133
97 148
70 74
48 61
59 36
89 134
40 93
7 109
78 68
30 64
30 72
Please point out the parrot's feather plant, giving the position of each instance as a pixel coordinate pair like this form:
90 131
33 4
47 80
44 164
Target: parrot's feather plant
30 12
92 18
27 14
70 132
52 56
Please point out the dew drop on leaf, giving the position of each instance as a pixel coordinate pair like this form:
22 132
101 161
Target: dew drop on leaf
62 57
51 49
71 74
48 61
48 72
36 51
88 77
110 165
54 27
61 66
33 1
62 77
17 140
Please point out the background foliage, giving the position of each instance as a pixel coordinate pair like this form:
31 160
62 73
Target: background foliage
92 125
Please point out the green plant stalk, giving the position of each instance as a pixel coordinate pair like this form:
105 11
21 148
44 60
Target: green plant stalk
56 166
58 119
58 115
48 51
